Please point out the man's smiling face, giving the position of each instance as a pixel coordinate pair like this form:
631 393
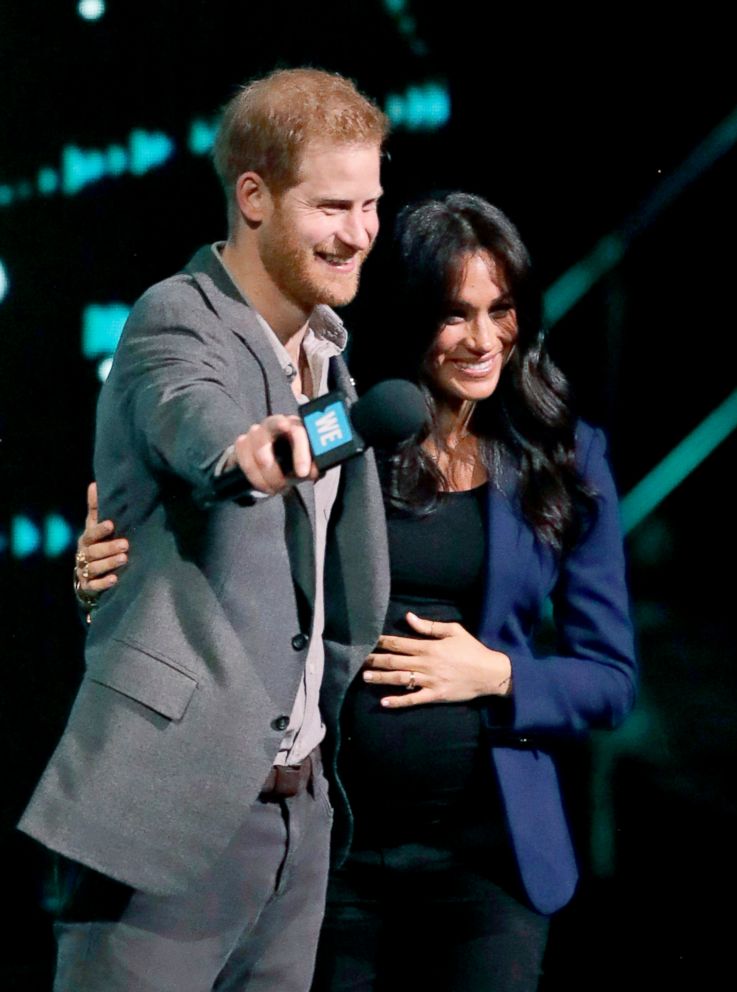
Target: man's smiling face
318 233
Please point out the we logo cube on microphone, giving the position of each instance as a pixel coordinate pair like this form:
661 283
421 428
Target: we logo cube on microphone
337 429
332 436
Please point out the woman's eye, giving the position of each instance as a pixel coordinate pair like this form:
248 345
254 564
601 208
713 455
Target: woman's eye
454 317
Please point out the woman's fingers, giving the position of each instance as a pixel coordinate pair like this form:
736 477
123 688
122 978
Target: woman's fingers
431 628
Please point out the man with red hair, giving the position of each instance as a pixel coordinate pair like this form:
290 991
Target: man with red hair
186 796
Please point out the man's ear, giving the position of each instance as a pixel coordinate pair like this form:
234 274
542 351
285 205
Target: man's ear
252 197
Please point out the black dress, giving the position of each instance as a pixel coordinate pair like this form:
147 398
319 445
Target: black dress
431 866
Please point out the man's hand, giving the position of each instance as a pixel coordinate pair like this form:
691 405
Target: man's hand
254 453
448 665
98 554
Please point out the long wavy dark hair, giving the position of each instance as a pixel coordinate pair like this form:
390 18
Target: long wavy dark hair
526 426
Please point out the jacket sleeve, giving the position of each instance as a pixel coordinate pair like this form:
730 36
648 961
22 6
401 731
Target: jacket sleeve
174 369
591 681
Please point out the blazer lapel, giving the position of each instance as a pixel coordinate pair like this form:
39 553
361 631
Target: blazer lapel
237 314
509 549
357 579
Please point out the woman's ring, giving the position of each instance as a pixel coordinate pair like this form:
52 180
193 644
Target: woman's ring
81 559
412 684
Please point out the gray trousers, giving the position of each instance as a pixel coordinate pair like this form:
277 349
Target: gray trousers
251 923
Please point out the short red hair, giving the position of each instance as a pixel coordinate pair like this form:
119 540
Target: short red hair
268 123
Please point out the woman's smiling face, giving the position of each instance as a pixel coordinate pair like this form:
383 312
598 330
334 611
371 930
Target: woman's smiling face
477 336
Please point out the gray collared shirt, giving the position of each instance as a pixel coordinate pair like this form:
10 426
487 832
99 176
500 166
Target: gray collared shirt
324 339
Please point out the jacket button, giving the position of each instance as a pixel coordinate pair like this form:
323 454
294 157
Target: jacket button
280 723
299 642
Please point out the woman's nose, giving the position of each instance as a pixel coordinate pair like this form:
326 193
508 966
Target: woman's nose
484 334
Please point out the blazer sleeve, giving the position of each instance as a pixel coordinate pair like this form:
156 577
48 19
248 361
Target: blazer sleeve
175 370
591 681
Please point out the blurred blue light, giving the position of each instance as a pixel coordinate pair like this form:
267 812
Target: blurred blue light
4 282
102 325
148 149
25 537
420 108
91 10
80 168
201 137
679 463
394 109
575 283
117 160
6 195
47 181
58 535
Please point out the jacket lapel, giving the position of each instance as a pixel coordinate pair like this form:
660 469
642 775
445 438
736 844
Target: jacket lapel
357 563
238 315
510 544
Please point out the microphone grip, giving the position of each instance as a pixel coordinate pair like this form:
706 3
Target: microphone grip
232 484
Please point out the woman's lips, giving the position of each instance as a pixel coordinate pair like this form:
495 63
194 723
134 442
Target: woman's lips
475 369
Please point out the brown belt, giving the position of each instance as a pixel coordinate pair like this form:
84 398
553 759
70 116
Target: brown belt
284 781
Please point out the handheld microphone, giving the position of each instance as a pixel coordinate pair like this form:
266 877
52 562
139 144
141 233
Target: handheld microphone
387 414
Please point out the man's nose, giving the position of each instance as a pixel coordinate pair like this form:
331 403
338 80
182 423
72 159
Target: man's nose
356 230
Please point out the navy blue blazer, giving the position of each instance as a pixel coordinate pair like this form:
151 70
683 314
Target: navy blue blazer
589 683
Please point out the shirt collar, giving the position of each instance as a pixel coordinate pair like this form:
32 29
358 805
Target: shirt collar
326 335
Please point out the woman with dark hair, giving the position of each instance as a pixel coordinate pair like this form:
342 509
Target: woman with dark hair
459 847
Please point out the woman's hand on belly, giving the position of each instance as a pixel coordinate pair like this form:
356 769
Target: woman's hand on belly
446 665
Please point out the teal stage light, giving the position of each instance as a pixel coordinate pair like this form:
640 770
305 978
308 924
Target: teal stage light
25 537
52 538
668 474
117 160
201 136
47 181
4 282
91 10
148 150
58 536
82 167
420 108
102 325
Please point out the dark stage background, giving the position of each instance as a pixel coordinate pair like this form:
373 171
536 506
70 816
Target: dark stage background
579 129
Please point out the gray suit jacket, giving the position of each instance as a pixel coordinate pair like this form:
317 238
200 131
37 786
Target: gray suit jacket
192 660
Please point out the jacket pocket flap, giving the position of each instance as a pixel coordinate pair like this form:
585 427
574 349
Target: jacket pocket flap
146 678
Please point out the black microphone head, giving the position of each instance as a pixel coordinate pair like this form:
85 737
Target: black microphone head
389 412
